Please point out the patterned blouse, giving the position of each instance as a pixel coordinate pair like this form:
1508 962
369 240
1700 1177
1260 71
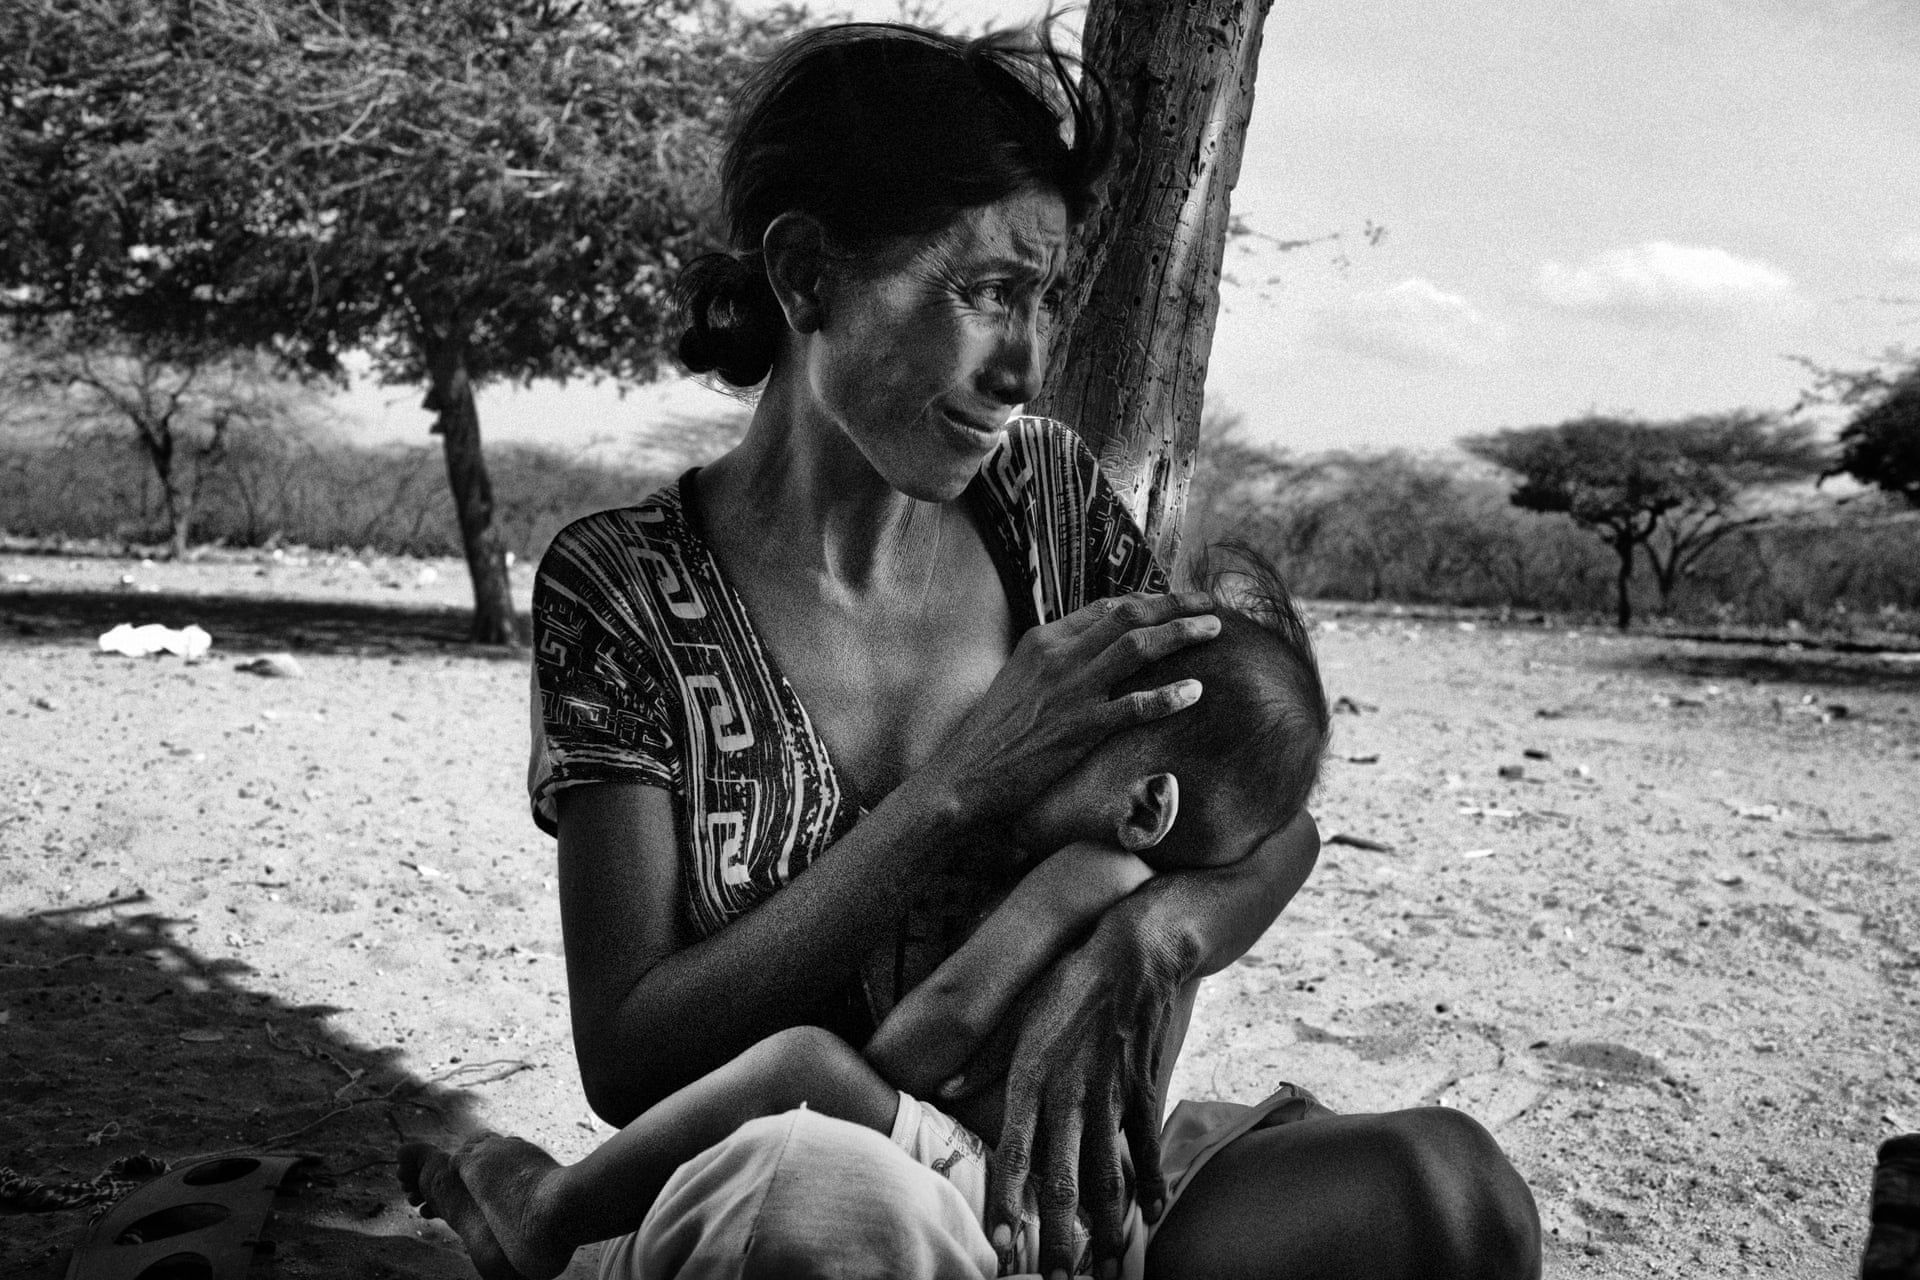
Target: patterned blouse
647 669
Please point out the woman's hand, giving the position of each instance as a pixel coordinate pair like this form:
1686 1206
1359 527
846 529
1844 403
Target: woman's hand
1051 703
1084 1076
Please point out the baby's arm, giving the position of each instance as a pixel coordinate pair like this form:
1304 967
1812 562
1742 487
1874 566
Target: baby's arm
507 1197
932 1033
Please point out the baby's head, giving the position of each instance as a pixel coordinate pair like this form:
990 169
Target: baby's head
1233 768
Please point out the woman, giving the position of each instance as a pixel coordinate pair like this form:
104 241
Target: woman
784 705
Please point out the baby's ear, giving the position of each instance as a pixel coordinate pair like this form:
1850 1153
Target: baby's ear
1153 802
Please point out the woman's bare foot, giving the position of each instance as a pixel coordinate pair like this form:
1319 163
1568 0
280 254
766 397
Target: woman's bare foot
433 1185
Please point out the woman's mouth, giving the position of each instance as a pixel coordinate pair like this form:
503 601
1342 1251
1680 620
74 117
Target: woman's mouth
986 429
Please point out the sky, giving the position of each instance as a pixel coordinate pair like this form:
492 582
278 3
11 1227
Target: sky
1623 206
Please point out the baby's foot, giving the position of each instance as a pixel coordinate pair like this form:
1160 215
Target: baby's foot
506 1177
433 1185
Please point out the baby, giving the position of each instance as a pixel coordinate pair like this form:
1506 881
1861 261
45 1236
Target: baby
1232 769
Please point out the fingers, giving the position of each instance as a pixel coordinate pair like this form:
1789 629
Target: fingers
1010 1166
1112 617
1133 650
1059 1188
1151 704
1139 1119
1137 630
1103 1192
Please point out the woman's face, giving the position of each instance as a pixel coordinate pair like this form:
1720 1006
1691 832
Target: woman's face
925 351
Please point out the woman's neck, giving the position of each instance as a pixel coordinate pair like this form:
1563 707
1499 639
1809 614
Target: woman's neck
798 492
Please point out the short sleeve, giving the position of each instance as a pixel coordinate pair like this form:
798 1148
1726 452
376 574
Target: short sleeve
1119 557
1058 531
598 706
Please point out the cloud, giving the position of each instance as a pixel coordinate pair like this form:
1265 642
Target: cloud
1413 322
1660 278
1905 251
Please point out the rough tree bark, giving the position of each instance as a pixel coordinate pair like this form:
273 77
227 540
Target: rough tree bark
1143 279
457 423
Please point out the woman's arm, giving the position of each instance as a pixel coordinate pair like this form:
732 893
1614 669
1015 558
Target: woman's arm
930 1034
1214 915
1092 1035
653 1009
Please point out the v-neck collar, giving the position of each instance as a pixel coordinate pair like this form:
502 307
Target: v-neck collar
1007 562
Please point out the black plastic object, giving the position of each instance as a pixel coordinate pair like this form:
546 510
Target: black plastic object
1893 1242
201 1221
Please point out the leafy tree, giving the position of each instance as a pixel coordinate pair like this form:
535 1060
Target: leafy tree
1726 460
1880 443
1674 488
465 190
184 413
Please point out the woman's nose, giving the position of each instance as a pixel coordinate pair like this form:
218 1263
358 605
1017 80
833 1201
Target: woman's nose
1012 375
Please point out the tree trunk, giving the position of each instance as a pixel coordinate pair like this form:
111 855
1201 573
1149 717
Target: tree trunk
1623 544
156 437
180 515
1144 277
1666 574
457 423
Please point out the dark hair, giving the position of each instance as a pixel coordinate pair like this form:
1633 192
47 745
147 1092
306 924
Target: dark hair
1259 732
881 130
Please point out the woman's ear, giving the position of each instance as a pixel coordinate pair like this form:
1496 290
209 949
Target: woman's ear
795 247
1153 802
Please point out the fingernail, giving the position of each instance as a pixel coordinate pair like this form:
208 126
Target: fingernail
1002 1238
953 1086
1188 692
1207 625
1155 1209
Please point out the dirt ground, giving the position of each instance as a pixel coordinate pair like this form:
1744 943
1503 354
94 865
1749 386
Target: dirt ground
1648 909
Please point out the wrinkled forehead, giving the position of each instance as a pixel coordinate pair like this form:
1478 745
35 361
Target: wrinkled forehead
1022 235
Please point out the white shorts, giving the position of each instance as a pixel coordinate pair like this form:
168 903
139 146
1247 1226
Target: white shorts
802 1196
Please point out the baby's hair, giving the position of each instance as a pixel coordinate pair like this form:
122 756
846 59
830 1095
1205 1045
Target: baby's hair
1259 732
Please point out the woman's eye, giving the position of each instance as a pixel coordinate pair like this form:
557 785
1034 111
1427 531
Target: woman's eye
993 292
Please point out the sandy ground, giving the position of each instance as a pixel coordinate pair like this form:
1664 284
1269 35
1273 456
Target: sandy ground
1649 911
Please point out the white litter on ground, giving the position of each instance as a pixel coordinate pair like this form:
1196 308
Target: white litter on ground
189 642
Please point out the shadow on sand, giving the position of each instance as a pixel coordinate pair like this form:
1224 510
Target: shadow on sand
246 623
121 1039
1768 666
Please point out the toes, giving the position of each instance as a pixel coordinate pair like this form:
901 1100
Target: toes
415 1159
424 1172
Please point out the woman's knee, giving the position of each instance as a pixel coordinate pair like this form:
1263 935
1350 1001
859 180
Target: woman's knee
1463 1196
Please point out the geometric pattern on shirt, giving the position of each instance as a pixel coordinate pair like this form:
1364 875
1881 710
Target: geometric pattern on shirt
647 667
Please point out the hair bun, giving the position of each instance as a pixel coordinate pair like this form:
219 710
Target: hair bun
733 319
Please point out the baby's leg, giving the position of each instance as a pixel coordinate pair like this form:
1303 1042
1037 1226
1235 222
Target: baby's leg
536 1212
611 1189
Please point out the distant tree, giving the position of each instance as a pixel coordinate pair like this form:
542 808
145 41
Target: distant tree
465 190
1880 443
1379 526
1675 488
1235 482
184 412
